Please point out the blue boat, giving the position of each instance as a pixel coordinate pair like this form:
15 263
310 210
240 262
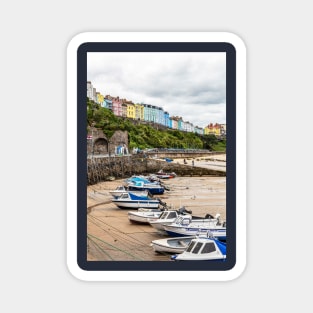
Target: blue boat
129 200
203 249
141 184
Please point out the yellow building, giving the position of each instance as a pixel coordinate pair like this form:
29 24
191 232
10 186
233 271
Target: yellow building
131 113
213 129
139 111
100 98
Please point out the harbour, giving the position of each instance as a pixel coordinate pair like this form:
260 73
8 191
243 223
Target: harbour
112 237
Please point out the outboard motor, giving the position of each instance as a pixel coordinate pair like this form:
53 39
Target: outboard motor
208 216
183 210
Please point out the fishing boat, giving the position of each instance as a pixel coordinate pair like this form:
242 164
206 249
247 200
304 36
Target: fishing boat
203 249
185 226
129 200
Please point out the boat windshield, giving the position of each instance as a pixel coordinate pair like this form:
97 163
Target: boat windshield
171 215
208 248
183 220
191 245
163 215
197 247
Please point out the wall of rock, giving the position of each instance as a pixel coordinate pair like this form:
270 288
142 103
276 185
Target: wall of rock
107 168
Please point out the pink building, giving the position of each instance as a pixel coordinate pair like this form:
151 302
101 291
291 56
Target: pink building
117 106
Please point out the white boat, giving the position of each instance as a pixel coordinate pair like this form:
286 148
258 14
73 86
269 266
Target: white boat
171 245
203 249
143 215
121 189
129 200
185 226
170 216
166 217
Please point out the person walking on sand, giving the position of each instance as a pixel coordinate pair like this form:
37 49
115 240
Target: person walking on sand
193 163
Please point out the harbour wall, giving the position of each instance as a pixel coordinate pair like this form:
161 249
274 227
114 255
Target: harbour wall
117 167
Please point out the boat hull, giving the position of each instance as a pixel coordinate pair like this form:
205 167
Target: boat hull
193 231
136 204
152 190
171 245
143 217
118 193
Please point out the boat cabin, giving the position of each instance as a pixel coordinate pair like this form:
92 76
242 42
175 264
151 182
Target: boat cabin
168 215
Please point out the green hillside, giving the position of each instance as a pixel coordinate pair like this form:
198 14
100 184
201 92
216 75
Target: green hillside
143 135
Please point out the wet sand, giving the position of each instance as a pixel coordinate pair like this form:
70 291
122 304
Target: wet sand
111 236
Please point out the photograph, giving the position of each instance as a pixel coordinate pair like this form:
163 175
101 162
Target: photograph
156 156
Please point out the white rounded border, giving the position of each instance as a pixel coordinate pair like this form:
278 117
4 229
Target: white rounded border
71 183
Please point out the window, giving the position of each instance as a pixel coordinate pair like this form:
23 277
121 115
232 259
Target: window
208 247
197 247
192 243
171 215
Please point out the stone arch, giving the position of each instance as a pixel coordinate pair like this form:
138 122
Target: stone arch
101 146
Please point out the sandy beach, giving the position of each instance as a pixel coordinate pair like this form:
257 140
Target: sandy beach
111 236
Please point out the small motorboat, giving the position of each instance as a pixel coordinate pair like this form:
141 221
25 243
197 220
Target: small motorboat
121 189
203 249
185 226
139 183
170 216
171 245
143 216
162 175
129 200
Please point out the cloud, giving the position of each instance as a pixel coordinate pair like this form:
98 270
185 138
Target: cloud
190 85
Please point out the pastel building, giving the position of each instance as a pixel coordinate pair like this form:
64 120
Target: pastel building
139 111
198 130
148 116
174 122
160 116
100 99
131 112
213 129
167 119
108 104
117 106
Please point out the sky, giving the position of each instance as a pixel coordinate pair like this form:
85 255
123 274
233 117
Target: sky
189 85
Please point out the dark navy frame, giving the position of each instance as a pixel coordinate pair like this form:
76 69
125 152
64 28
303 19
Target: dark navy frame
82 51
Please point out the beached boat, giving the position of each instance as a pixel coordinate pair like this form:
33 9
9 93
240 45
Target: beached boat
185 226
172 245
203 249
143 216
169 216
162 175
121 189
153 188
129 200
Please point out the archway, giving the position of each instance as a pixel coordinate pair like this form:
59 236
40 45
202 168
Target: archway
101 146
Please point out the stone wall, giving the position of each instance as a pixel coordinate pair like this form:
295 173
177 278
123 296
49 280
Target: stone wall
102 169
100 144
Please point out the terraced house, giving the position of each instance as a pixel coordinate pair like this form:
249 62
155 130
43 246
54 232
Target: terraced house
149 113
